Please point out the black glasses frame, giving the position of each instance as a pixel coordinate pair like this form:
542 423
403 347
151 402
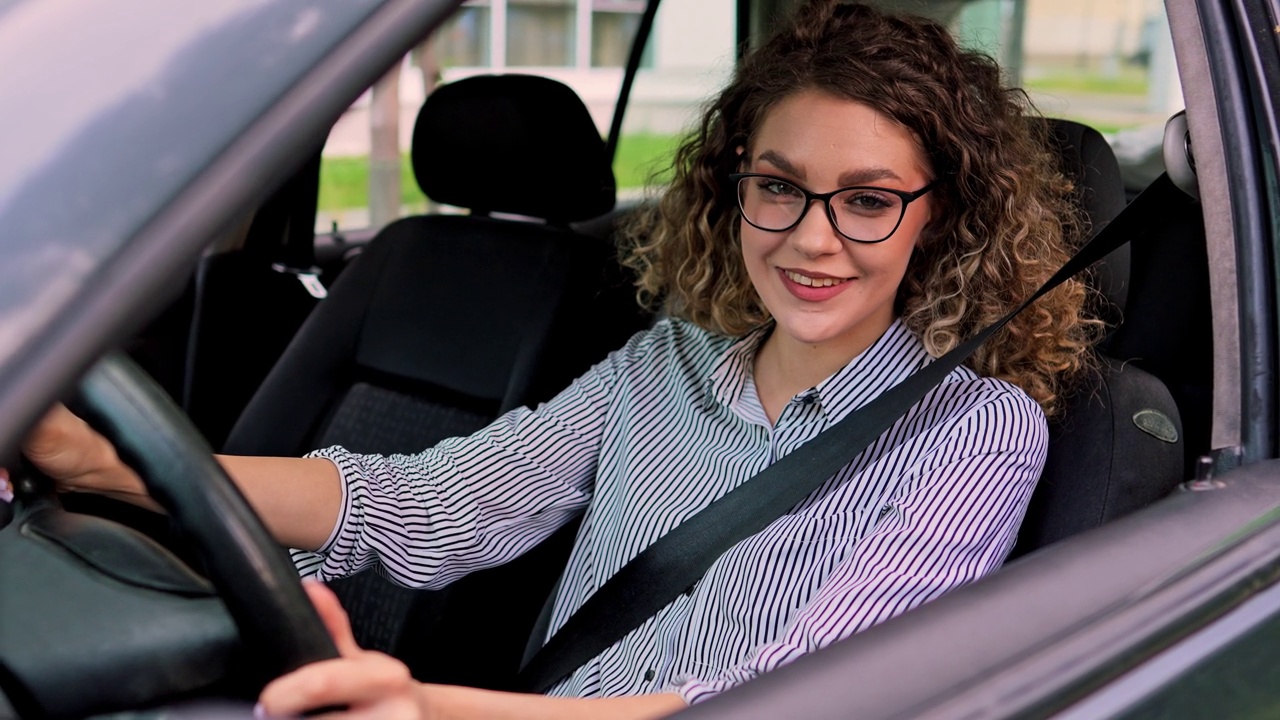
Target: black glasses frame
809 197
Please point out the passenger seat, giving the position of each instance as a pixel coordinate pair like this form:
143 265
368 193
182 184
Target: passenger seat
446 321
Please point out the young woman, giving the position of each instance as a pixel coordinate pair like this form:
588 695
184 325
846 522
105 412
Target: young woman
863 196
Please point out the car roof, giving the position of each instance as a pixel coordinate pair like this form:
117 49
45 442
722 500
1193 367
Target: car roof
121 163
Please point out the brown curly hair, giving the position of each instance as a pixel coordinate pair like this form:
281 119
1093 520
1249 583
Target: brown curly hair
1003 216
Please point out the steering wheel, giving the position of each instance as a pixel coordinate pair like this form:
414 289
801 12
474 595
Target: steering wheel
251 574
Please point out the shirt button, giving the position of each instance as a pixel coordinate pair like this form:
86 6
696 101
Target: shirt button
649 675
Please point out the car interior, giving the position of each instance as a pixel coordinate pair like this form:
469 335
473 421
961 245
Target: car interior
389 363
287 342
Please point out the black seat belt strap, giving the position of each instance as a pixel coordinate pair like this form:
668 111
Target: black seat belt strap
677 560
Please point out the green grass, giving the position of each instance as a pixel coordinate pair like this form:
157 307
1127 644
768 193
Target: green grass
644 159
344 181
1124 84
1106 128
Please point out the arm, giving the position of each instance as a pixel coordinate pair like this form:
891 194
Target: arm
298 498
466 504
953 521
370 684
470 502
444 702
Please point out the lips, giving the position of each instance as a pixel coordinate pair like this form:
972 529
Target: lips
813 289
808 281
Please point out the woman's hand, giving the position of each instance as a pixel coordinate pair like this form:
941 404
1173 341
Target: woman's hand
361 683
78 459
297 498
366 684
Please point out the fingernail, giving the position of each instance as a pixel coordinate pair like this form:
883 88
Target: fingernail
6 491
259 712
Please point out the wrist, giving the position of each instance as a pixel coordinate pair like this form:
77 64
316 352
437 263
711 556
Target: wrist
109 474
429 708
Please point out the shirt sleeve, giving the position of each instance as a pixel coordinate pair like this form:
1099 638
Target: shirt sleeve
953 522
470 502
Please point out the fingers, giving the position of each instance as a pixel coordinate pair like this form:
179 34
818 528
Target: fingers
6 486
361 683
333 616
50 436
63 446
79 459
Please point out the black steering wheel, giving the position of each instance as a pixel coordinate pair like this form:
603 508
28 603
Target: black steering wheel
278 627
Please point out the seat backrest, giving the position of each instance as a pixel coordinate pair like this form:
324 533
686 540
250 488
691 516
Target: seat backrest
1088 160
465 311
1118 444
446 321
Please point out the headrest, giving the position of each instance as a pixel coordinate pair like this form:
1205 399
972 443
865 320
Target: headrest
515 144
1089 162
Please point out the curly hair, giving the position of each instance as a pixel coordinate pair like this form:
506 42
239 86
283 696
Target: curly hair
1003 219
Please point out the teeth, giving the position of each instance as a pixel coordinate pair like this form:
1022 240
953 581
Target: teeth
813 282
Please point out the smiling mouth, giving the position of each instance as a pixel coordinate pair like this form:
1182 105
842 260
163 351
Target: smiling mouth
807 281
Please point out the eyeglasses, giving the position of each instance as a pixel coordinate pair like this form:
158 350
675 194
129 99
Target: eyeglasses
861 214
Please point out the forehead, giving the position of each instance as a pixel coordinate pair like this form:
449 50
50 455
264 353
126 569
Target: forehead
814 129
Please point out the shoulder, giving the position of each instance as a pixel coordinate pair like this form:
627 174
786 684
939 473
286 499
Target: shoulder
672 341
989 414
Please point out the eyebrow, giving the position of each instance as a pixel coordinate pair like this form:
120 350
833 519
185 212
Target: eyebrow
861 176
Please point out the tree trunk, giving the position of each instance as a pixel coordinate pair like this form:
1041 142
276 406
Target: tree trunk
384 153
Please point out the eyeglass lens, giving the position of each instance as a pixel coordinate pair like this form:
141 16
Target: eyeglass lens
864 214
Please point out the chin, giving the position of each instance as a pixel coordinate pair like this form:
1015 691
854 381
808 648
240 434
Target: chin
810 335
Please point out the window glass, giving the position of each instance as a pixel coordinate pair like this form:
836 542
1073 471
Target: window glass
463 40
613 25
688 58
1105 63
581 43
541 33
1109 64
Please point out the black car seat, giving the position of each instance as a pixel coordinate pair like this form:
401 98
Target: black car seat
1118 444
446 321
249 302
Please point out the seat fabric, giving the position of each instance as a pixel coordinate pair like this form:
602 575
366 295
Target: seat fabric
1118 445
446 321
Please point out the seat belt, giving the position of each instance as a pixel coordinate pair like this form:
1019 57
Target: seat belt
679 559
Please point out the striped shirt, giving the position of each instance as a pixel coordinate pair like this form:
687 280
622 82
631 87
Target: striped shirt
655 433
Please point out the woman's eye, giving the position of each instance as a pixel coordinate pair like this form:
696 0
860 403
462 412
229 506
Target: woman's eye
778 188
868 202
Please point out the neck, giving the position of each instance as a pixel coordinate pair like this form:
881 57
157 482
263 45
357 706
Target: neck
785 367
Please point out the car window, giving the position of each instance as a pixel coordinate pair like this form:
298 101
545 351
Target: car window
366 177
1108 65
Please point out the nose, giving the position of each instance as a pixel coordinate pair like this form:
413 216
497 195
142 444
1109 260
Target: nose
816 236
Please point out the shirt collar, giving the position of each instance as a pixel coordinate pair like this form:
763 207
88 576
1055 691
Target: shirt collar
732 370
888 361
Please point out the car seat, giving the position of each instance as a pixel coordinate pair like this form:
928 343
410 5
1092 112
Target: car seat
249 301
446 321
1118 444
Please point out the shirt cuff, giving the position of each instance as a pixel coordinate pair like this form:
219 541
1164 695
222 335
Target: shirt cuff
695 690
311 564
344 510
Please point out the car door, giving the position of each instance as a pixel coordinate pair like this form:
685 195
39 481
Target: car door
1168 612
